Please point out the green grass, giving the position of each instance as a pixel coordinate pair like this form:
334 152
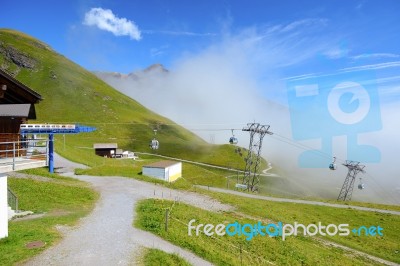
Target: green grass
386 247
192 174
64 202
76 95
226 250
44 172
156 257
196 175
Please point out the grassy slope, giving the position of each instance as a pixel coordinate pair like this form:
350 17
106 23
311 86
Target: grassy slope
63 199
225 250
77 95
73 94
386 247
155 257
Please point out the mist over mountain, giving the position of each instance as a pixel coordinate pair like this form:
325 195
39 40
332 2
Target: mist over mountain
210 98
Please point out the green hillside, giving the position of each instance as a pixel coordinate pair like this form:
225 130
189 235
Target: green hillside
74 95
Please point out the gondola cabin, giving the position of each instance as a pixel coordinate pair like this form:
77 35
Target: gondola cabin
233 140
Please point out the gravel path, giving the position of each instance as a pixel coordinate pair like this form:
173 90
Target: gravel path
309 202
63 165
107 237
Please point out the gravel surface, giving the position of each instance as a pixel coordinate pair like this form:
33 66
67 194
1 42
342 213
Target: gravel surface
107 237
63 165
309 202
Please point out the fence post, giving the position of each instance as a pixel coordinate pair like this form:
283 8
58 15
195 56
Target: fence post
241 258
13 155
166 219
47 152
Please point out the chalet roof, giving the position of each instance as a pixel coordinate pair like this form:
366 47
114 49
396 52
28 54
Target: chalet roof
161 164
16 92
18 110
105 146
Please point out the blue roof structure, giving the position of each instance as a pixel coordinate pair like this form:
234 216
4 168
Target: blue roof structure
52 129
48 130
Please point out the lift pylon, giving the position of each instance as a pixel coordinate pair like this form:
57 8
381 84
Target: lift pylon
251 177
348 185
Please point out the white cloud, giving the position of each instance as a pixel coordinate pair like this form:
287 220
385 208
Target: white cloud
372 66
375 56
105 19
180 33
300 77
158 51
228 80
336 53
304 23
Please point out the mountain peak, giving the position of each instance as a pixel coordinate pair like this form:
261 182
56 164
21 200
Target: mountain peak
156 67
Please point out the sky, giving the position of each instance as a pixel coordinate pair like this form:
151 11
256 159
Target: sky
346 33
280 39
323 74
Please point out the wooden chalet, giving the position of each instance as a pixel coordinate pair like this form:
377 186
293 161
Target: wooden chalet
108 150
17 105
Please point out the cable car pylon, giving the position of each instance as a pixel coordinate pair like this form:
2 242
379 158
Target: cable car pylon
251 177
348 185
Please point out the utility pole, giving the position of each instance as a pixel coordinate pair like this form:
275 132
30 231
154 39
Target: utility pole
348 185
251 177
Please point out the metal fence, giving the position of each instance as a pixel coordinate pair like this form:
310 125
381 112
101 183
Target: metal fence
12 200
23 152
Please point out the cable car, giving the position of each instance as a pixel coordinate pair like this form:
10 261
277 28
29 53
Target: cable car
361 186
332 165
233 140
154 144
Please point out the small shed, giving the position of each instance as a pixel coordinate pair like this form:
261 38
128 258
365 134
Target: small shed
129 155
165 170
105 149
119 153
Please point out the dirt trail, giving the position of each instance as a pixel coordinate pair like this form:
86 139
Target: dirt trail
106 236
309 202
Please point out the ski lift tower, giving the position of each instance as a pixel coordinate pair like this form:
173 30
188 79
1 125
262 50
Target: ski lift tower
347 188
251 177
51 129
